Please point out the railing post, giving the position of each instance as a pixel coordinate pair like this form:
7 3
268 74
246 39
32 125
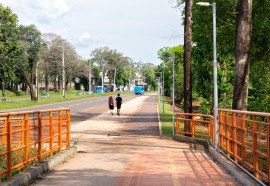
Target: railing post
234 137
227 134
4 138
39 136
192 126
60 130
26 140
68 129
9 146
177 124
268 149
185 123
212 130
209 128
51 132
221 131
243 137
22 134
255 144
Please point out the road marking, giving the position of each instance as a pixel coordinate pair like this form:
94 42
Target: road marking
173 170
90 108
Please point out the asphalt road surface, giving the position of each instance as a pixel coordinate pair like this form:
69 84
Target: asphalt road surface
82 109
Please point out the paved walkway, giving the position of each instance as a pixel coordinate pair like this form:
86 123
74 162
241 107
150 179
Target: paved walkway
127 150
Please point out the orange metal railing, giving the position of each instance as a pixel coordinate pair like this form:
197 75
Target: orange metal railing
198 125
244 136
28 137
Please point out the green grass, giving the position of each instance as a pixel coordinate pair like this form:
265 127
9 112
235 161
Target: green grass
166 117
15 102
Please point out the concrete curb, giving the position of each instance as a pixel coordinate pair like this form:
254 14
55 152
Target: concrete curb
26 177
239 174
194 141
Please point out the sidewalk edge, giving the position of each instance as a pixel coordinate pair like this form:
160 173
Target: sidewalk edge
26 177
237 173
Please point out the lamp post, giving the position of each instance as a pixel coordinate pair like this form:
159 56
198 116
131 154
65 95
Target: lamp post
37 91
63 70
214 70
90 75
129 80
63 74
172 58
114 77
163 89
102 76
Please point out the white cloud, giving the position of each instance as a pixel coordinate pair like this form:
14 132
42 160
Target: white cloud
86 40
136 28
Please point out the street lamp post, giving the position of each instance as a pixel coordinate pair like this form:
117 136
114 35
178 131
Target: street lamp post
172 58
102 76
114 77
214 70
37 91
129 80
63 74
63 70
163 89
90 76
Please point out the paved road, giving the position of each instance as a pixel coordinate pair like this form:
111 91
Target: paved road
127 150
82 109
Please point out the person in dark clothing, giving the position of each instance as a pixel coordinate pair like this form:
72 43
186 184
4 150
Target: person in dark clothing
111 104
118 104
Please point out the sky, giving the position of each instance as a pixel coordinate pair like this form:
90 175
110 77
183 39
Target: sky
136 28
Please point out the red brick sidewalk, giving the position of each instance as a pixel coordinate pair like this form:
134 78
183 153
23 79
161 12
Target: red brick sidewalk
127 150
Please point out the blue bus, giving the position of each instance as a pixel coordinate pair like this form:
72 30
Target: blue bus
139 90
98 89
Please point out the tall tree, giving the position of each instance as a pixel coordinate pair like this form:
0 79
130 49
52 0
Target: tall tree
110 62
187 60
30 48
242 54
164 55
259 78
8 45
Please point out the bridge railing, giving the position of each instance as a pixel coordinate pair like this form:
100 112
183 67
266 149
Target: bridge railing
243 136
28 137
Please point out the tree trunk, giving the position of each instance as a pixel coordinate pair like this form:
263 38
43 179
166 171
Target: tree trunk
187 61
242 54
46 83
59 83
3 83
30 85
55 83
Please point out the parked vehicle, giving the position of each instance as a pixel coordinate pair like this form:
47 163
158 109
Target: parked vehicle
79 93
139 90
45 95
98 89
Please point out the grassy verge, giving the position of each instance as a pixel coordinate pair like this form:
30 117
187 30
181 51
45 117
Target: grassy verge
14 102
165 115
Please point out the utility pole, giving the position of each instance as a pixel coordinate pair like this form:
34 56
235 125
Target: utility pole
114 77
102 81
37 91
129 80
90 76
63 70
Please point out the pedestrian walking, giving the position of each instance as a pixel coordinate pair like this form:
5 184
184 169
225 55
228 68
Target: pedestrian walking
118 104
111 104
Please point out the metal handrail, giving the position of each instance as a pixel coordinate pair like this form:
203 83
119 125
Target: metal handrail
29 137
243 136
